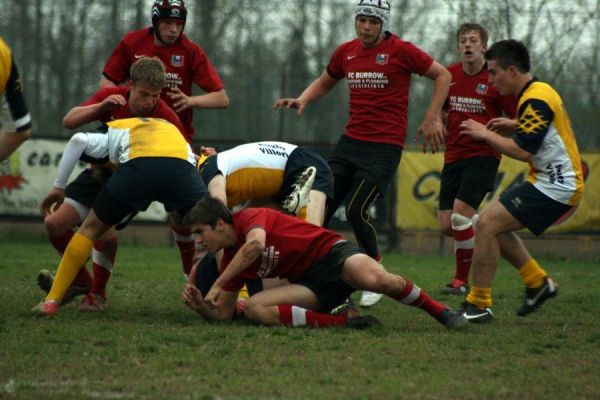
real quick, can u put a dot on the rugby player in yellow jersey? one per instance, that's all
(154, 163)
(541, 136)
(15, 121)
(287, 176)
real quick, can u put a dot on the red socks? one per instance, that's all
(298, 316)
(103, 257)
(412, 295)
(60, 243)
(464, 242)
(185, 242)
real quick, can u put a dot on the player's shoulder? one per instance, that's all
(4, 49)
(140, 35)
(250, 211)
(396, 41)
(454, 68)
(349, 45)
(540, 90)
(191, 46)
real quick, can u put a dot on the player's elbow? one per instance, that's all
(224, 102)
(69, 123)
(71, 120)
(223, 99)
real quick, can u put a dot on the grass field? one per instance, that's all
(148, 345)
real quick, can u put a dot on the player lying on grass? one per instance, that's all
(323, 270)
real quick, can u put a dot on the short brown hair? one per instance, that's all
(468, 27)
(207, 211)
(148, 71)
(510, 52)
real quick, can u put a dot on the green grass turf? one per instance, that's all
(148, 345)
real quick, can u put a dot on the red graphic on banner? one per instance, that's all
(11, 182)
(10, 173)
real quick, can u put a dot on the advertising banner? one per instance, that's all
(418, 186)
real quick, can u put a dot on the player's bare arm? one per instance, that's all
(503, 126)
(212, 100)
(245, 256)
(217, 187)
(319, 88)
(81, 115)
(432, 127)
(505, 145)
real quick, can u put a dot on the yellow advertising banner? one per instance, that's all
(418, 187)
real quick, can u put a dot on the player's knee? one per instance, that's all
(255, 311)
(55, 226)
(485, 223)
(355, 214)
(378, 281)
(459, 220)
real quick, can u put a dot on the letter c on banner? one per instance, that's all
(420, 192)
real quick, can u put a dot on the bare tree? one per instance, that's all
(272, 48)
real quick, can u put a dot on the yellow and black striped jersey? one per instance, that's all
(5, 65)
(545, 131)
(11, 89)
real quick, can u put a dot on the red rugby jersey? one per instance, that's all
(291, 245)
(379, 82)
(472, 97)
(184, 61)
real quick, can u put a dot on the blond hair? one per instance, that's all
(148, 71)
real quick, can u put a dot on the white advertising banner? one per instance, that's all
(29, 173)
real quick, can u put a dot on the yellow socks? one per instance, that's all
(243, 293)
(481, 297)
(76, 254)
(532, 274)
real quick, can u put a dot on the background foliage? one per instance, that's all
(266, 49)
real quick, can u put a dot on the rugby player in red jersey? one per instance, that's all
(377, 66)
(186, 63)
(470, 166)
(323, 270)
(184, 60)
